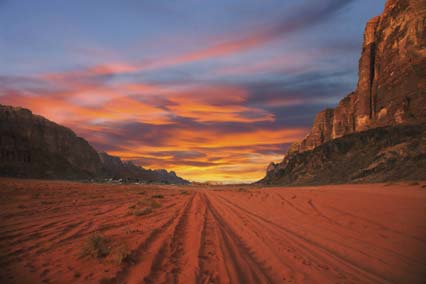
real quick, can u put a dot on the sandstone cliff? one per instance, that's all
(391, 89)
(34, 147)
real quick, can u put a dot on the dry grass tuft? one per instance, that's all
(123, 254)
(155, 204)
(142, 211)
(95, 246)
(160, 196)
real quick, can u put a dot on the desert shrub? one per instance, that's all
(142, 202)
(142, 211)
(144, 207)
(160, 196)
(184, 192)
(141, 192)
(122, 254)
(95, 246)
(155, 204)
(35, 195)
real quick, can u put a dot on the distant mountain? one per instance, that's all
(118, 169)
(33, 147)
(391, 91)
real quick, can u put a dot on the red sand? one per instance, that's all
(329, 234)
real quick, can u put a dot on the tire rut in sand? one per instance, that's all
(166, 262)
(308, 248)
(240, 263)
(141, 256)
(210, 257)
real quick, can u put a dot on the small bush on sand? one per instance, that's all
(155, 204)
(142, 211)
(160, 196)
(95, 246)
(122, 254)
(142, 203)
(141, 192)
(184, 192)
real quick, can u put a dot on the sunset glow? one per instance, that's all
(214, 95)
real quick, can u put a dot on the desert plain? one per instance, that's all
(69, 232)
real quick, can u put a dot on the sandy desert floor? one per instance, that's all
(64, 232)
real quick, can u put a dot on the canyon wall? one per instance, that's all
(391, 89)
(391, 92)
(33, 147)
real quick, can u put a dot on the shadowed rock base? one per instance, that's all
(377, 155)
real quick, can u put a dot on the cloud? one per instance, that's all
(298, 18)
(207, 126)
(303, 16)
(203, 132)
(216, 104)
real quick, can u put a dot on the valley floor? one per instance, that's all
(65, 232)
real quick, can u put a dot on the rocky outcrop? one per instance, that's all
(321, 132)
(34, 147)
(377, 155)
(391, 89)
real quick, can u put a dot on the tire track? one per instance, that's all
(242, 266)
(131, 273)
(165, 265)
(308, 247)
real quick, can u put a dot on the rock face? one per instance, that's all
(391, 89)
(34, 147)
(376, 155)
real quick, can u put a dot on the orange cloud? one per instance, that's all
(216, 104)
(96, 111)
(96, 70)
(227, 157)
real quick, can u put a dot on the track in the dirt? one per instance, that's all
(352, 234)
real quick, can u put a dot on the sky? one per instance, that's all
(213, 90)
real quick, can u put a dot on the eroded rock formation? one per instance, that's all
(34, 147)
(391, 89)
